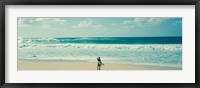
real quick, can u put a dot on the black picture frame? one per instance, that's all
(98, 2)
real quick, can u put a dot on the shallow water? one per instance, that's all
(164, 54)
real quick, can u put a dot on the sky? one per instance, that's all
(34, 27)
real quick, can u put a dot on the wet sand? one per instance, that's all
(37, 64)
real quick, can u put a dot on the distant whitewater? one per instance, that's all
(158, 51)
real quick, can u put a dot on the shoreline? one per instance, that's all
(60, 64)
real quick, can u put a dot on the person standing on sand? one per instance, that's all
(99, 63)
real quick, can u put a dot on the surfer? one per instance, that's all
(99, 63)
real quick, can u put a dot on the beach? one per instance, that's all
(129, 53)
(79, 44)
(49, 64)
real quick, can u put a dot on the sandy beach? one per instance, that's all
(38, 64)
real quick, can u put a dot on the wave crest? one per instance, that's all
(107, 46)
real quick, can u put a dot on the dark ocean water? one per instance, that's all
(107, 40)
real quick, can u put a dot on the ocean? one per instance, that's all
(156, 51)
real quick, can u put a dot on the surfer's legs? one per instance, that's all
(97, 67)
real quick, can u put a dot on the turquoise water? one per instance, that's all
(106, 40)
(162, 51)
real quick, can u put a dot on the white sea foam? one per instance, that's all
(157, 54)
(108, 46)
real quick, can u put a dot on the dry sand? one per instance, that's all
(36, 64)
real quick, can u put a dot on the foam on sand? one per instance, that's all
(146, 54)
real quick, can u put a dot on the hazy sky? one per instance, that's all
(98, 27)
